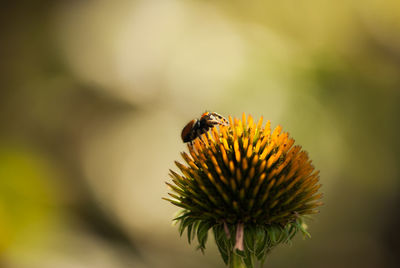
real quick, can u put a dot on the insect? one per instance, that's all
(196, 127)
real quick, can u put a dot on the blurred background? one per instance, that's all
(94, 94)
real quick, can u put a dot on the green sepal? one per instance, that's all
(185, 222)
(258, 239)
(249, 238)
(202, 234)
(241, 253)
(222, 242)
(261, 242)
(248, 261)
(189, 232)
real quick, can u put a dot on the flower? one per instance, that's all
(251, 186)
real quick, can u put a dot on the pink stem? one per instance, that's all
(239, 237)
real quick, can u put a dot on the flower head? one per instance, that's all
(251, 186)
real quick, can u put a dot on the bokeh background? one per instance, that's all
(94, 94)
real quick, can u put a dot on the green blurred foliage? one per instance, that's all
(28, 195)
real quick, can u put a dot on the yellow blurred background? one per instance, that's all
(94, 94)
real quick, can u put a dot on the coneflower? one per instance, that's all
(251, 186)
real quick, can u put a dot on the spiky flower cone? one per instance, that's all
(250, 186)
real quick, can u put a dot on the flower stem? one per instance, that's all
(236, 262)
